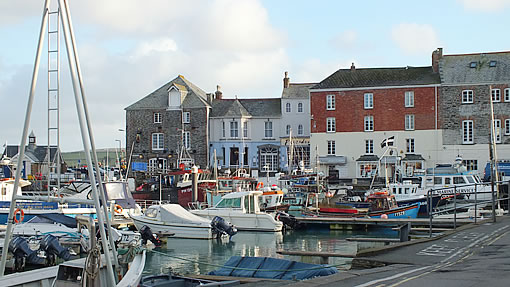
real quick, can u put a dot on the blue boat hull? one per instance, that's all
(410, 211)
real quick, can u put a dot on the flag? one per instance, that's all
(388, 142)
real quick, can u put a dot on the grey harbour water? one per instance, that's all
(193, 256)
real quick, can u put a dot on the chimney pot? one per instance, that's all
(286, 80)
(218, 93)
(353, 67)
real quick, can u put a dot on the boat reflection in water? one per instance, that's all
(192, 256)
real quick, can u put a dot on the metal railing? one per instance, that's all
(463, 190)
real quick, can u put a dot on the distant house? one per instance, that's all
(35, 161)
(169, 127)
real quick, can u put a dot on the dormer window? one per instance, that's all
(174, 98)
(492, 64)
(472, 65)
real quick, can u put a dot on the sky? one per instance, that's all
(129, 48)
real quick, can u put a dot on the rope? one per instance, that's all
(248, 269)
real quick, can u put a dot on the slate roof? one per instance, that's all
(37, 153)
(297, 91)
(456, 69)
(159, 98)
(246, 108)
(379, 77)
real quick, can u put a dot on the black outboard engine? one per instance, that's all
(288, 220)
(52, 247)
(20, 249)
(147, 234)
(221, 226)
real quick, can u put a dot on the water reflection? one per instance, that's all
(201, 256)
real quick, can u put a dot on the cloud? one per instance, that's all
(415, 38)
(347, 40)
(485, 5)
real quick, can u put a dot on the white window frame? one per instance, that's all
(497, 129)
(288, 108)
(158, 141)
(409, 123)
(467, 96)
(245, 129)
(409, 99)
(369, 146)
(369, 123)
(368, 101)
(157, 118)
(507, 126)
(496, 95)
(468, 132)
(268, 129)
(507, 95)
(300, 107)
(234, 129)
(268, 157)
(287, 130)
(330, 102)
(331, 147)
(186, 139)
(410, 145)
(330, 125)
(300, 129)
(186, 117)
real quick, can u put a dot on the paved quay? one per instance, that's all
(471, 255)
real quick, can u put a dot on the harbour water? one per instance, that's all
(189, 256)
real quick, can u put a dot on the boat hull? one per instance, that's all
(243, 221)
(175, 230)
(410, 211)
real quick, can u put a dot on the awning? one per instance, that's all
(331, 159)
(413, 157)
(368, 157)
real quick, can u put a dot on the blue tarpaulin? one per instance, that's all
(272, 268)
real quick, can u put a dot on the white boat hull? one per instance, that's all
(178, 230)
(243, 221)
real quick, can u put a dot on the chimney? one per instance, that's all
(353, 67)
(436, 57)
(218, 93)
(286, 80)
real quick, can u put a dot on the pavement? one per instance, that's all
(472, 255)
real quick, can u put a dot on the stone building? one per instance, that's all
(169, 127)
(468, 84)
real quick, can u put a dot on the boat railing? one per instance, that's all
(196, 205)
(144, 203)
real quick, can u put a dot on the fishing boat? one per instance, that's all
(243, 211)
(272, 200)
(384, 205)
(173, 220)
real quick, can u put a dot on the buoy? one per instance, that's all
(384, 216)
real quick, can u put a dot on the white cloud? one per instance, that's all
(485, 5)
(347, 40)
(415, 38)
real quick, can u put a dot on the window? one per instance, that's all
(287, 130)
(492, 64)
(300, 130)
(268, 129)
(331, 148)
(507, 95)
(409, 123)
(245, 129)
(300, 107)
(471, 164)
(330, 125)
(369, 123)
(287, 107)
(507, 127)
(467, 132)
(409, 99)
(472, 65)
(410, 145)
(369, 101)
(157, 164)
(158, 141)
(268, 159)
(497, 129)
(186, 140)
(330, 102)
(234, 129)
(496, 95)
(157, 118)
(223, 129)
(369, 146)
(367, 169)
(186, 117)
(467, 96)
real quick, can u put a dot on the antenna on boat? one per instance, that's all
(85, 128)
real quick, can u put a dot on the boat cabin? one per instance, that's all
(247, 201)
(381, 200)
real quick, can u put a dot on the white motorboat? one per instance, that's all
(173, 220)
(242, 210)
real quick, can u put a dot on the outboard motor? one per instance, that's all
(288, 220)
(221, 226)
(52, 247)
(147, 234)
(20, 249)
